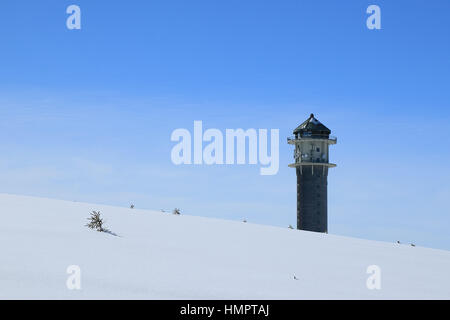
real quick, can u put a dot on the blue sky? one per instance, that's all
(87, 114)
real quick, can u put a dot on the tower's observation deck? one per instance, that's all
(311, 154)
(308, 151)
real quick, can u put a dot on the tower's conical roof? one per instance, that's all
(312, 126)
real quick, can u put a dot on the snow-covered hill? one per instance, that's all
(162, 256)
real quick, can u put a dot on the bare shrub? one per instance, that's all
(176, 211)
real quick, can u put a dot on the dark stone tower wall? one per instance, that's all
(312, 198)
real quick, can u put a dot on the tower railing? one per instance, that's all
(293, 138)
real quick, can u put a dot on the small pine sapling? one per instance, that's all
(96, 222)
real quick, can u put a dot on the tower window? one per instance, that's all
(318, 149)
